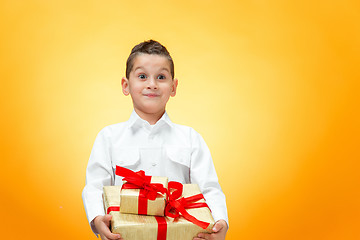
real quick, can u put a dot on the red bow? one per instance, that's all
(176, 205)
(138, 180)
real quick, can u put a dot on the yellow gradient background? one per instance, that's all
(272, 86)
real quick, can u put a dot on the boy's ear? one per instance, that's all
(125, 86)
(174, 86)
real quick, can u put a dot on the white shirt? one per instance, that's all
(164, 149)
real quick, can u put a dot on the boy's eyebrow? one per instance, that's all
(165, 69)
(138, 68)
(144, 69)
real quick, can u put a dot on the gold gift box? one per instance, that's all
(129, 199)
(142, 227)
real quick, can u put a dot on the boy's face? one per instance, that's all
(150, 84)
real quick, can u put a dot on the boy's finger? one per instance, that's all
(112, 236)
(103, 237)
(107, 220)
(217, 227)
(220, 225)
(204, 236)
(107, 217)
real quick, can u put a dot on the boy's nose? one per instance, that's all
(152, 84)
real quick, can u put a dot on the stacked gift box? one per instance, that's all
(151, 208)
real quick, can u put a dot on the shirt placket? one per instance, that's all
(151, 152)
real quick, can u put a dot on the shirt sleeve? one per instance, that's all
(99, 173)
(202, 172)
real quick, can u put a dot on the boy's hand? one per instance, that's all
(220, 228)
(102, 224)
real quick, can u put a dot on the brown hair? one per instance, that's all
(148, 47)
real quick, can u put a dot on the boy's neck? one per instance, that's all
(151, 118)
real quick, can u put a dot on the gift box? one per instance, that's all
(141, 194)
(142, 227)
(134, 200)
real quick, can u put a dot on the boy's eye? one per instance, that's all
(142, 76)
(161, 77)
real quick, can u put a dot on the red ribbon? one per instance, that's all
(176, 205)
(113, 208)
(162, 228)
(138, 180)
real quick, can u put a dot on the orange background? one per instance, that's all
(272, 86)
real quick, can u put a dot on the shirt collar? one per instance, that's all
(136, 121)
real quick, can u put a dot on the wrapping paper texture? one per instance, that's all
(141, 227)
(129, 199)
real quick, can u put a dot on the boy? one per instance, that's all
(149, 141)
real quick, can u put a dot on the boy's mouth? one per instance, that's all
(151, 95)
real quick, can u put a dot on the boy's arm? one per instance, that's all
(202, 172)
(99, 173)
